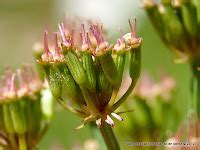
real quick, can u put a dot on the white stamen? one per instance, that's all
(98, 122)
(117, 116)
(109, 121)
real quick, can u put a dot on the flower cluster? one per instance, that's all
(148, 89)
(23, 117)
(178, 24)
(84, 70)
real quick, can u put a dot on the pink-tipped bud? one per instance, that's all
(133, 28)
(33, 80)
(96, 33)
(46, 56)
(23, 87)
(11, 93)
(84, 38)
(120, 45)
(57, 56)
(65, 41)
(131, 38)
(117, 116)
(109, 121)
(102, 44)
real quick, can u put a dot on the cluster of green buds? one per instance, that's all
(154, 108)
(85, 72)
(25, 109)
(178, 24)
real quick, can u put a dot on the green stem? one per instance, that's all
(90, 103)
(196, 86)
(113, 97)
(71, 109)
(109, 137)
(22, 142)
(124, 97)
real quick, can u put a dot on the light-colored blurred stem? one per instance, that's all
(124, 97)
(196, 85)
(22, 142)
(97, 135)
(109, 137)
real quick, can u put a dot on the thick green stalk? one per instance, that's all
(196, 85)
(109, 137)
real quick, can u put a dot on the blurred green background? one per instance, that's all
(22, 23)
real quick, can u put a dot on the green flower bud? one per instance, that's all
(119, 53)
(34, 110)
(89, 67)
(120, 63)
(8, 119)
(18, 117)
(109, 68)
(69, 87)
(135, 63)
(87, 59)
(75, 68)
(55, 80)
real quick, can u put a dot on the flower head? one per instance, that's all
(21, 94)
(84, 76)
(177, 23)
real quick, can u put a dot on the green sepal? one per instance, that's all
(89, 67)
(75, 68)
(109, 68)
(18, 116)
(104, 87)
(70, 89)
(8, 119)
(190, 18)
(55, 81)
(35, 117)
(135, 63)
(28, 111)
(120, 63)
